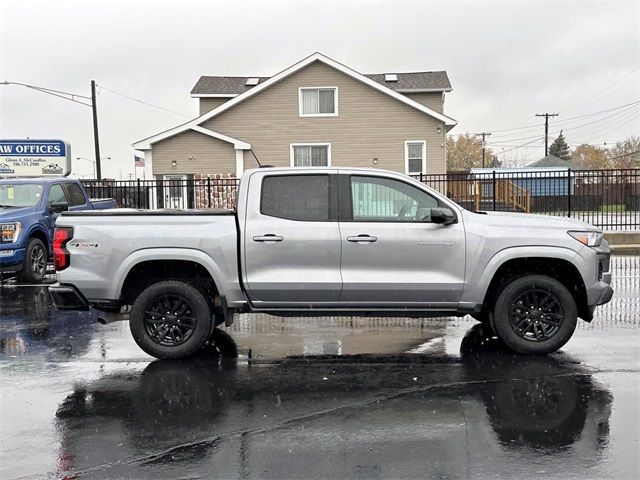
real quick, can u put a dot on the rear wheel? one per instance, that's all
(170, 319)
(535, 314)
(35, 262)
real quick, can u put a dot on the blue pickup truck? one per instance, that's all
(28, 211)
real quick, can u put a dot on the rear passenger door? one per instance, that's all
(76, 197)
(292, 240)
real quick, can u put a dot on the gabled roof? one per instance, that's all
(415, 82)
(552, 161)
(222, 86)
(145, 143)
(409, 82)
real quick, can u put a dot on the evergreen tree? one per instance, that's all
(559, 148)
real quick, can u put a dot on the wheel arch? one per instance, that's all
(553, 262)
(39, 233)
(146, 266)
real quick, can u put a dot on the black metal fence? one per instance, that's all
(609, 199)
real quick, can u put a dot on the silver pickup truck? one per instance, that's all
(330, 241)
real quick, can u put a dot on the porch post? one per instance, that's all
(239, 162)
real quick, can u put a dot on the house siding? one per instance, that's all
(432, 100)
(210, 155)
(370, 124)
(208, 104)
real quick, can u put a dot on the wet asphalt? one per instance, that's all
(318, 398)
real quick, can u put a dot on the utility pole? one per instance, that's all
(546, 129)
(483, 135)
(96, 140)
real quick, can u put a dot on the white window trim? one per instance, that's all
(307, 144)
(424, 157)
(335, 102)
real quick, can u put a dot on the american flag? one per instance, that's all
(138, 161)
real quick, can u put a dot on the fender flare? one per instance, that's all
(37, 228)
(484, 276)
(169, 254)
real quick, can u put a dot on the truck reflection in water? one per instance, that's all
(30, 326)
(479, 413)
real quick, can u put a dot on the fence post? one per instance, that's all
(494, 190)
(569, 192)
(138, 193)
(208, 192)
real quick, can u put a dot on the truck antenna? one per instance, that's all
(254, 156)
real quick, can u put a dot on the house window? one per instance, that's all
(319, 102)
(415, 153)
(311, 155)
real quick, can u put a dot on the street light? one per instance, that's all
(74, 98)
(94, 163)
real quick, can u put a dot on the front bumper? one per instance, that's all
(67, 297)
(11, 260)
(600, 292)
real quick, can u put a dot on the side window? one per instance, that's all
(76, 197)
(296, 197)
(56, 195)
(376, 199)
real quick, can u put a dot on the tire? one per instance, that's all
(177, 335)
(34, 267)
(535, 314)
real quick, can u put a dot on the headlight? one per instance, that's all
(590, 239)
(10, 232)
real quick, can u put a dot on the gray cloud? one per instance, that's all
(506, 60)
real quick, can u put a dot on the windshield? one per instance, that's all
(20, 194)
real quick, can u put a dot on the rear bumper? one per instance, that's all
(67, 297)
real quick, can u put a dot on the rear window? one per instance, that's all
(76, 197)
(296, 197)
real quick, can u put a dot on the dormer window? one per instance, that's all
(318, 102)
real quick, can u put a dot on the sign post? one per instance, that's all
(34, 158)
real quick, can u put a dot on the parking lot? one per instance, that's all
(325, 397)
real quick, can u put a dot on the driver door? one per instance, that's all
(392, 255)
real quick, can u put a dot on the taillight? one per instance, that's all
(61, 236)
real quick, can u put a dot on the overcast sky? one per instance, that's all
(506, 61)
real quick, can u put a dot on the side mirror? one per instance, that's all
(443, 216)
(58, 207)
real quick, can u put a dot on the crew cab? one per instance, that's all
(28, 210)
(330, 241)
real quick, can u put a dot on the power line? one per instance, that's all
(143, 102)
(573, 127)
(625, 155)
(570, 119)
(50, 91)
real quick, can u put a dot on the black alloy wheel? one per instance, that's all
(170, 320)
(536, 315)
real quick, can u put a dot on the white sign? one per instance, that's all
(34, 158)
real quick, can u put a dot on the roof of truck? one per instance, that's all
(43, 180)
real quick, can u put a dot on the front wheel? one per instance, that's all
(535, 314)
(35, 262)
(170, 320)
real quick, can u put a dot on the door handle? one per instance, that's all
(269, 237)
(363, 237)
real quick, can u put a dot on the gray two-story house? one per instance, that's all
(317, 112)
